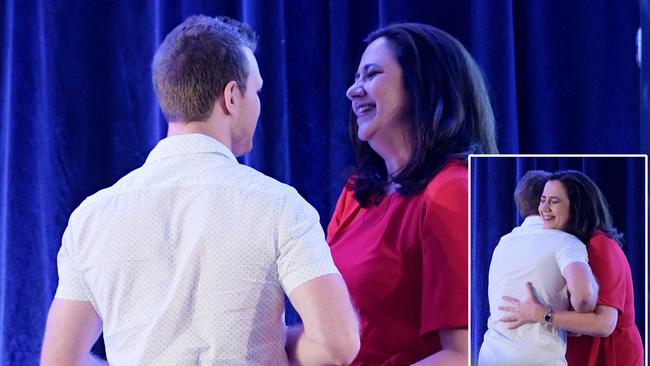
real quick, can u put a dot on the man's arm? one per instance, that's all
(72, 329)
(600, 323)
(582, 286)
(453, 352)
(330, 333)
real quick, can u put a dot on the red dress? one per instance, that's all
(405, 264)
(623, 346)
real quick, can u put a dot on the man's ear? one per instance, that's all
(231, 96)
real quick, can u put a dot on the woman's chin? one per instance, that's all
(363, 134)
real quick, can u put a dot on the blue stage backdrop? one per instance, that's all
(78, 110)
(494, 214)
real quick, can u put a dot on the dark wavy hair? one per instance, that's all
(587, 205)
(449, 111)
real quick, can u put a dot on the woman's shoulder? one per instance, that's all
(601, 244)
(346, 201)
(345, 211)
(452, 180)
(346, 197)
(600, 239)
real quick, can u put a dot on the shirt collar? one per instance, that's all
(188, 144)
(533, 220)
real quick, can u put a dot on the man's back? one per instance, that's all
(188, 258)
(529, 254)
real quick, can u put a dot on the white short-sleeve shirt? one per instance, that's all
(188, 258)
(533, 254)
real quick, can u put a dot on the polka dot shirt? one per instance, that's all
(187, 259)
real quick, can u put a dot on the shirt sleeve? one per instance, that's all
(303, 253)
(71, 285)
(608, 264)
(570, 250)
(444, 258)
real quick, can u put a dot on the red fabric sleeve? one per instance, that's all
(444, 252)
(609, 269)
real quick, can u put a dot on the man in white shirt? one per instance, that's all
(555, 263)
(186, 260)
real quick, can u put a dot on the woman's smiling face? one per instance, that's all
(554, 206)
(378, 96)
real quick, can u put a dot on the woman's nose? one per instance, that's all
(544, 206)
(355, 90)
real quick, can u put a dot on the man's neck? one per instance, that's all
(202, 127)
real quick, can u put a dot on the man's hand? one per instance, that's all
(523, 312)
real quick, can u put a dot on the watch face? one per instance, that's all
(549, 315)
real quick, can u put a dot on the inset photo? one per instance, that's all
(558, 259)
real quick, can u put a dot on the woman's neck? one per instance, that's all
(396, 150)
(395, 162)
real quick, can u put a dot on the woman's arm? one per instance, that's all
(600, 323)
(453, 352)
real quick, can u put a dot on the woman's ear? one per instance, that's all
(231, 97)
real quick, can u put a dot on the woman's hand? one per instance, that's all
(523, 312)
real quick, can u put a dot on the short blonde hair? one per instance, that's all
(195, 62)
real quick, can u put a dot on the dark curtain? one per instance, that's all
(78, 110)
(494, 214)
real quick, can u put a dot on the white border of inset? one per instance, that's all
(469, 230)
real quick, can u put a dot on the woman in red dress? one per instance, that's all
(609, 335)
(399, 231)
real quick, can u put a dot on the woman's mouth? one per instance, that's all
(364, 109)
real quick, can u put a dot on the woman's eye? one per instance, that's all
(372, 74)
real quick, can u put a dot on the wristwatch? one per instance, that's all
(549, 315)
